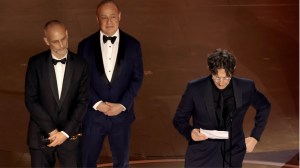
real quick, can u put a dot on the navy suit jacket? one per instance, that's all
(47, 111)
(126, 80)
(197, 103)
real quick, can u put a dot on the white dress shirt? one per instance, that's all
(59, 73)
(109, 54)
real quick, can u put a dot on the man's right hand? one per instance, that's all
(103, 107)
(197, 135)
(57, 139)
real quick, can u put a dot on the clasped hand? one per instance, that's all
(110, 109)
(56, 138)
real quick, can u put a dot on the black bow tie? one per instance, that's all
(55, 61)
(112, 39)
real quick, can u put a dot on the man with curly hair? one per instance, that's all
(217, 105)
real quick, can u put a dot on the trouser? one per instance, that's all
(118, 137)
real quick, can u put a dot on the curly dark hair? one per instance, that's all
(221, 59)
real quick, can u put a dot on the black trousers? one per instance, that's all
(68, 154)
(119, 140)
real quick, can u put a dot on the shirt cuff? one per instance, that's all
(65, 134)
(124, 108)
(96, 105)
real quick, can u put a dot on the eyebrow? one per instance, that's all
(59, 39)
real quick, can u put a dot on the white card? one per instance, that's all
(215, 134)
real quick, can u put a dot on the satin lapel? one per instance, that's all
(52, 78)
(67, 78)
(209, 101)
(237, 93)
(98, 57)
(120, 57)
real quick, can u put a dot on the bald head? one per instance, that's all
(53, 25)
(56, 37)
(104, 2)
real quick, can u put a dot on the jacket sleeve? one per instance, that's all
(184, 113)
(136, 80)
(262, 107)
(32, 99)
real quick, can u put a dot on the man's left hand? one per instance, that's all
(115, 109)
(57, 139)
(250, 144)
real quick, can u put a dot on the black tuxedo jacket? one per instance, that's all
(47, 111)
(197, 103)
(126, 80)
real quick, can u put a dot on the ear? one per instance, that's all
(97, 19)
(119, 16)
(67, 33)
(46, 41)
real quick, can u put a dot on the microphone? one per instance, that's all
(230, 137)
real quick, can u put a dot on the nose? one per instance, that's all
(222, 82)
(61, 44)
(109, 20)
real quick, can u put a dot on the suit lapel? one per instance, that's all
(67, 77)
(52, 77)
(209, 101)
(98, 57)
(120, 57)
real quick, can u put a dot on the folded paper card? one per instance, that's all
(214, 134)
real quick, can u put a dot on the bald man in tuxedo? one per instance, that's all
(56, 96)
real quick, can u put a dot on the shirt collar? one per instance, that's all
(60, 58)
